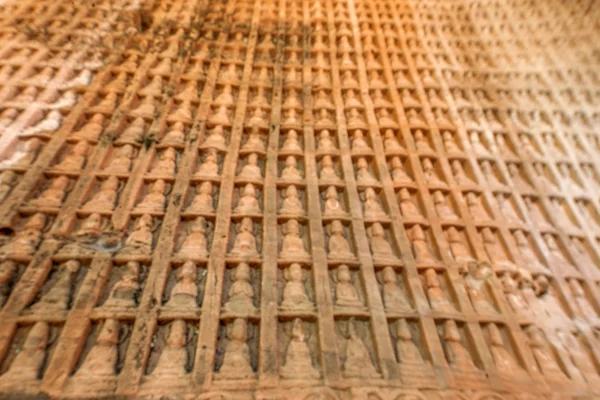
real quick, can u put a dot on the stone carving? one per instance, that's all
(241, 294)
(25, 240)
(154, 200)
(345, 292)
(27, 365)
(245, 242)
(101, 360)
(124, 292)
(184, 293)
(358, 362)
(202, 202)
(60, 294)
(435, 294)
(195, 245)
(236, 360)
(294, 292)
(298, 362)
(544, 356)
(173, 359)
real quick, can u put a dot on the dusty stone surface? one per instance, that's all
(294, 199)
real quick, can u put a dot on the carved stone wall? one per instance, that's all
(300, 199)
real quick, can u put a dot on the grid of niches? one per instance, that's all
(59, 291)
(573, 284)
(355, 193)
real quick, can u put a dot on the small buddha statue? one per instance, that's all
(358, 362)
(407, 351)
(294, 292)
(507, 210)
(372, 208)
(248, 203)
(442, 207)
(458, 356)
(520, 183)
(240, 298)
(203, 200)
(291, 204)
(528, 258)
(101, 360)
(430, 174)
(435, 294)
(363, 175)
(166, 164)
(579, 356)
(557, 258)
(450, 145)
(322, 101)
(258, 119)
(495, 250)
(393, 298)
(380, 248)
(293, 245)
(174, 358)
(504, 361)
(175, 135)
(185, 292)
(105, 198)
(121, 163)
(582, 306)
(124, 292)
(26, 240)
(476, 209)
(421, 142)
(58, 297)
(291, 101)
(54, 194)
(298, 362)
(216, 138)
(220, 116)
(422, 253)
(475, 281)
(338, 245)
(359, 143)
(154, 200)
(195, 244)
(8, 179)
(30, 357)
(291, 118)
(140, 240)
(209, 167)
(407, 206)
(254, 142)
(459, 250)
(236, 360)
(225, 97)
(75, 160)
(332, 207)
(245, 242)
(327, 172)
(291, 143)
(515, 298)
(251, 170)
(345, 292)
(544, 355)
(134, 132)
(290, 171)
(391, 143)
(399, 175)
(323, 119)
(459, 174)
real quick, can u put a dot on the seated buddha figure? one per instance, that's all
(290, 172)
(29, 360)
(292, 245)
(26, 240)
(101, 360)
(184, 293)
(327, 172)
(358, 362)
(345, 292)
(245, 241)
(338, 245)
(435, 294)
(203, 200)
(247, 203)
(75, 159)
(106, 197)
(166, 164)
(154, 200)
(173, 358)
(240, 297)
(209, 167)
(372, 208)
(140, 239)
(380, 248)
(251, 170)
(236, 360)
(294, 292)
(333, 207)
(298, 362)
(124, 292)
(54, 194)
(393, 298)
(291, 204)
(121, 163)
(195, 244)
